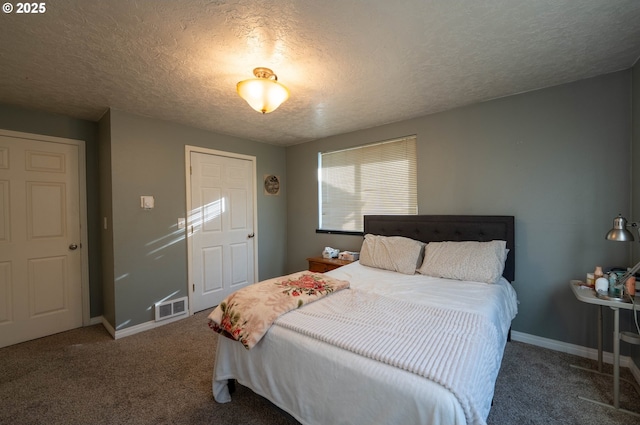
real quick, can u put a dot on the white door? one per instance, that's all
(221, 226)
(40, 238)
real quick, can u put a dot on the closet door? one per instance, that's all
(221, 227)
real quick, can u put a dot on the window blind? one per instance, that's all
(379, 178)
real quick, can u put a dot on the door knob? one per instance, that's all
(250, 235)
(73, 247)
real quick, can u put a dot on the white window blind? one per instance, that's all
(379, 178)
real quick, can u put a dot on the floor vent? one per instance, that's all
(171, 308)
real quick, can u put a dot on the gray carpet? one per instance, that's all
(163, 376)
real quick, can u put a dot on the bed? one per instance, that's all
(320, 377)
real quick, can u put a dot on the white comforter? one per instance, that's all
(322, 384)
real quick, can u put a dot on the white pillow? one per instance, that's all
(394, 253)
(472, 261)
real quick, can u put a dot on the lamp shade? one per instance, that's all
(263, 93)
(619, 231)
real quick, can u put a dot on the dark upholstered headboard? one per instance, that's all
(440, 228)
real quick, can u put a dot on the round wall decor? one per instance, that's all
(271, 184)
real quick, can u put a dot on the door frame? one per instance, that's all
(187, 158)
(82, 199)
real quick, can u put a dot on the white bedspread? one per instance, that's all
(456, 349)
(320, 384)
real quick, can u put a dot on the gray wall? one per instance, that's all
(19, 119)
(149, 260)
(543, 156)
(106, 251)
(635, 196)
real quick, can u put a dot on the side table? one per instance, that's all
(322, 265)
(588, 295)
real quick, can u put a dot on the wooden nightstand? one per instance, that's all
(320, 264)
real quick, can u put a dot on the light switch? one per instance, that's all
(147, 202)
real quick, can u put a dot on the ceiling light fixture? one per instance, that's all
(263, 93)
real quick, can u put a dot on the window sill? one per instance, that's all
(340, 232)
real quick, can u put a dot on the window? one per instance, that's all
(379, 178)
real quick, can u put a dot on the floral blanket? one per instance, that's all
(247, 314)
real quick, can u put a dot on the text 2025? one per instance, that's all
(31, 7)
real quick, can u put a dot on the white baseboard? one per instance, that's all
(117, 334)
(95, 320)
(577, 350)
(109, 328)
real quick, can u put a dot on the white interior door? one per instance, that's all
(221, 226)
(40, 239)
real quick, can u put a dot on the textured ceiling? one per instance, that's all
(348, 64)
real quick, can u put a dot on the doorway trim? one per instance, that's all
(82, 199)
(188, 149)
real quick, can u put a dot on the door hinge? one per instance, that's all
(194, 287)
(190, 170)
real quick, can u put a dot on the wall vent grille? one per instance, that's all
(171, 308)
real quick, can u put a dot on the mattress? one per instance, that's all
(319, 383)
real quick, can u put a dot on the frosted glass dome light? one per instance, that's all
(263, 93)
